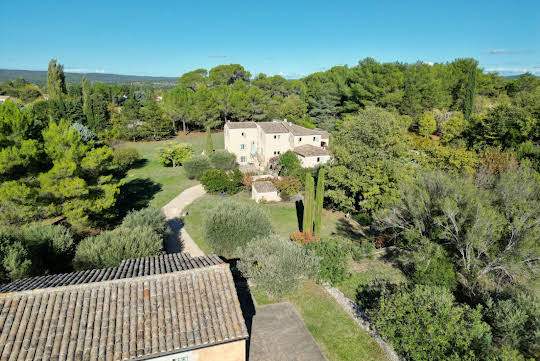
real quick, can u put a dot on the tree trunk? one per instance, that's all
(184, 126)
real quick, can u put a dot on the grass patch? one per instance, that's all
(152, 183)
(282, 215)
(338, 336)
(367, 271)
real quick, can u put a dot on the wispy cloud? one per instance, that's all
(506, 51)
(84, 70)
(217, 56)
(518, 70)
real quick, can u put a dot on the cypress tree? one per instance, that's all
(307, 224)
(470, 92)
(56, 80)
(209, 145)
(319, 202)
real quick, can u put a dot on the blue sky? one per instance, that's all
(292, 38)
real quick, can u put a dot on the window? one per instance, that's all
(243, 134)
(276, 136)
(299, 139)
(277, 152)
(318, 159)
(242, 146)
(315, 139)
(243, 159)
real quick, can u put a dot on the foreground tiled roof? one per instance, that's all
(273, 127)
(240, 125)
(308, 150)
(128, 268)
(264, 186)
(122, 319)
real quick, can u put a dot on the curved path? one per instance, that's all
(180, 240)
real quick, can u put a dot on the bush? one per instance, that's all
(302, 238)
(85, 133)
(432, 266)
(223, 160)
(108, 249)
(425, 323)
(196, 165)
(287, 186)
(149, 217)
(233, 224)
(219, 181)
(361, 250)
(516, 322)
(289, 162)
(35, 249)
(333, 259)
(124, 159)
(175, 154)
(276, 265)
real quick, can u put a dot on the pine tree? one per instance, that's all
(209, 145)
(470, 92)
(319, 202)
(307, 224)
(84, 86)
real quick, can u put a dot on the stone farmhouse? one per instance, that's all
(169, 308)
(256, 143)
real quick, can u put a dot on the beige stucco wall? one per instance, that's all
(269, 145)
(234, 139)
(310, 162)
(268, 196)
(309, 139)
(232, 351)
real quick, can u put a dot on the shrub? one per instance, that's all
(288, 186)
(233, 224)
(124, 159)
(85, 133)
(149, 217)
(333, 259)
(108, 249)
(276, 265)
(425, 323)
(223, 160)
(247, 179)
(196, 165)
(289, 162)
(175, 154)
(516, 322)
(432, 266)
(219, 181)
(361, 250)
(302, 238)
(35, 249)
(427, 124)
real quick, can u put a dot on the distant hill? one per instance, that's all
(40, 77)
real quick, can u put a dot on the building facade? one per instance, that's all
(256, 143)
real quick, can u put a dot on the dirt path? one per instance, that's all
(180, 240)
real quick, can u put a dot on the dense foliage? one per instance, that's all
(276, 265)
(233, 224)
(175, 154)
(220, 181)
(141, 234)
(425, 324)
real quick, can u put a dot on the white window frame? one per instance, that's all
(242, 147)
(243, 159)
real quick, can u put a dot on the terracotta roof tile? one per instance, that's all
(240, 125)
(308, 150)
(122, 318)
(128, 268)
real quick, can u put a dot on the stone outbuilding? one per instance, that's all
(311, 156)
(264, 190)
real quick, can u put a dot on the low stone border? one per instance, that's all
(361, 318)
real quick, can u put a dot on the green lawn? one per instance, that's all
(338, 336)
(282, 214)
(152, 183)
(367, 271)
